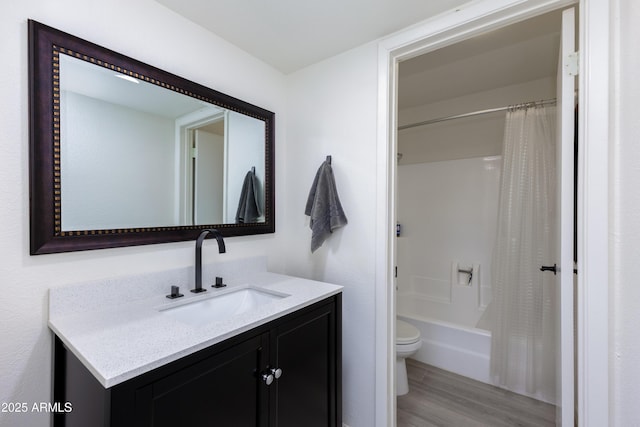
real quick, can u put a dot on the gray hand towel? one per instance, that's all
(323, 206)
(249, 206)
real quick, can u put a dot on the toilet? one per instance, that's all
(407, 343)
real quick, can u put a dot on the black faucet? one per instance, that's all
(221, 249)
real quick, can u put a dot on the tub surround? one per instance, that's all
(116, 329)
(448, 210)
(454, 348)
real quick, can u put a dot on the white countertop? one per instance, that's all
(119, 336)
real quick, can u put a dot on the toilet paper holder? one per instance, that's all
(467, 271)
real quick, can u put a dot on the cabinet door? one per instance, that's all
(74, 384)
(222, 390)
(306, 351)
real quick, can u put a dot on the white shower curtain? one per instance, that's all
(523, 326)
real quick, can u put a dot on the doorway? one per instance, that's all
(453, 107)
(447, 29)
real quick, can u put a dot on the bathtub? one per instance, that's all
(456, 347)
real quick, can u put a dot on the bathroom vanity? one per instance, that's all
(141, 364)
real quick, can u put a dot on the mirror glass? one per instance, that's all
(134, 154)
(123, 153)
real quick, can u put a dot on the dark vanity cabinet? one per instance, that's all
(307, 349)
(286, 373)
(222, 387)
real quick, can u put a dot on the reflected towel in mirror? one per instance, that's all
(249, 205)
(324, 207)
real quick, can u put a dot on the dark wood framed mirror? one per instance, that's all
(123, 153)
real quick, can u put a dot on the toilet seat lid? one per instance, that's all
(406, 333)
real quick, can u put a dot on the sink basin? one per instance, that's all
(222, 306)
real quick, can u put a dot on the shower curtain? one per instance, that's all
(523, 326)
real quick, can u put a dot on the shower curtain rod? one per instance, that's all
(474, 113)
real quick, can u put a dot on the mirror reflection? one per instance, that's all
(134, 154)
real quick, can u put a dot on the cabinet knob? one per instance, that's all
(277, 372)
(267, 378)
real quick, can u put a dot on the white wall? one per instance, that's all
(625, 216)
(448, 213)
(151, 33)
(332, 111)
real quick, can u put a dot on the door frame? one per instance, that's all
(476, 17)
(184, 187)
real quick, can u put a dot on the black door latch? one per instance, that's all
(553, 268)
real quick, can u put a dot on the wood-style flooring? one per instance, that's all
(441, 398)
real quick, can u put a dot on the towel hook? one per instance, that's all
(253, 169)
(329, 159)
